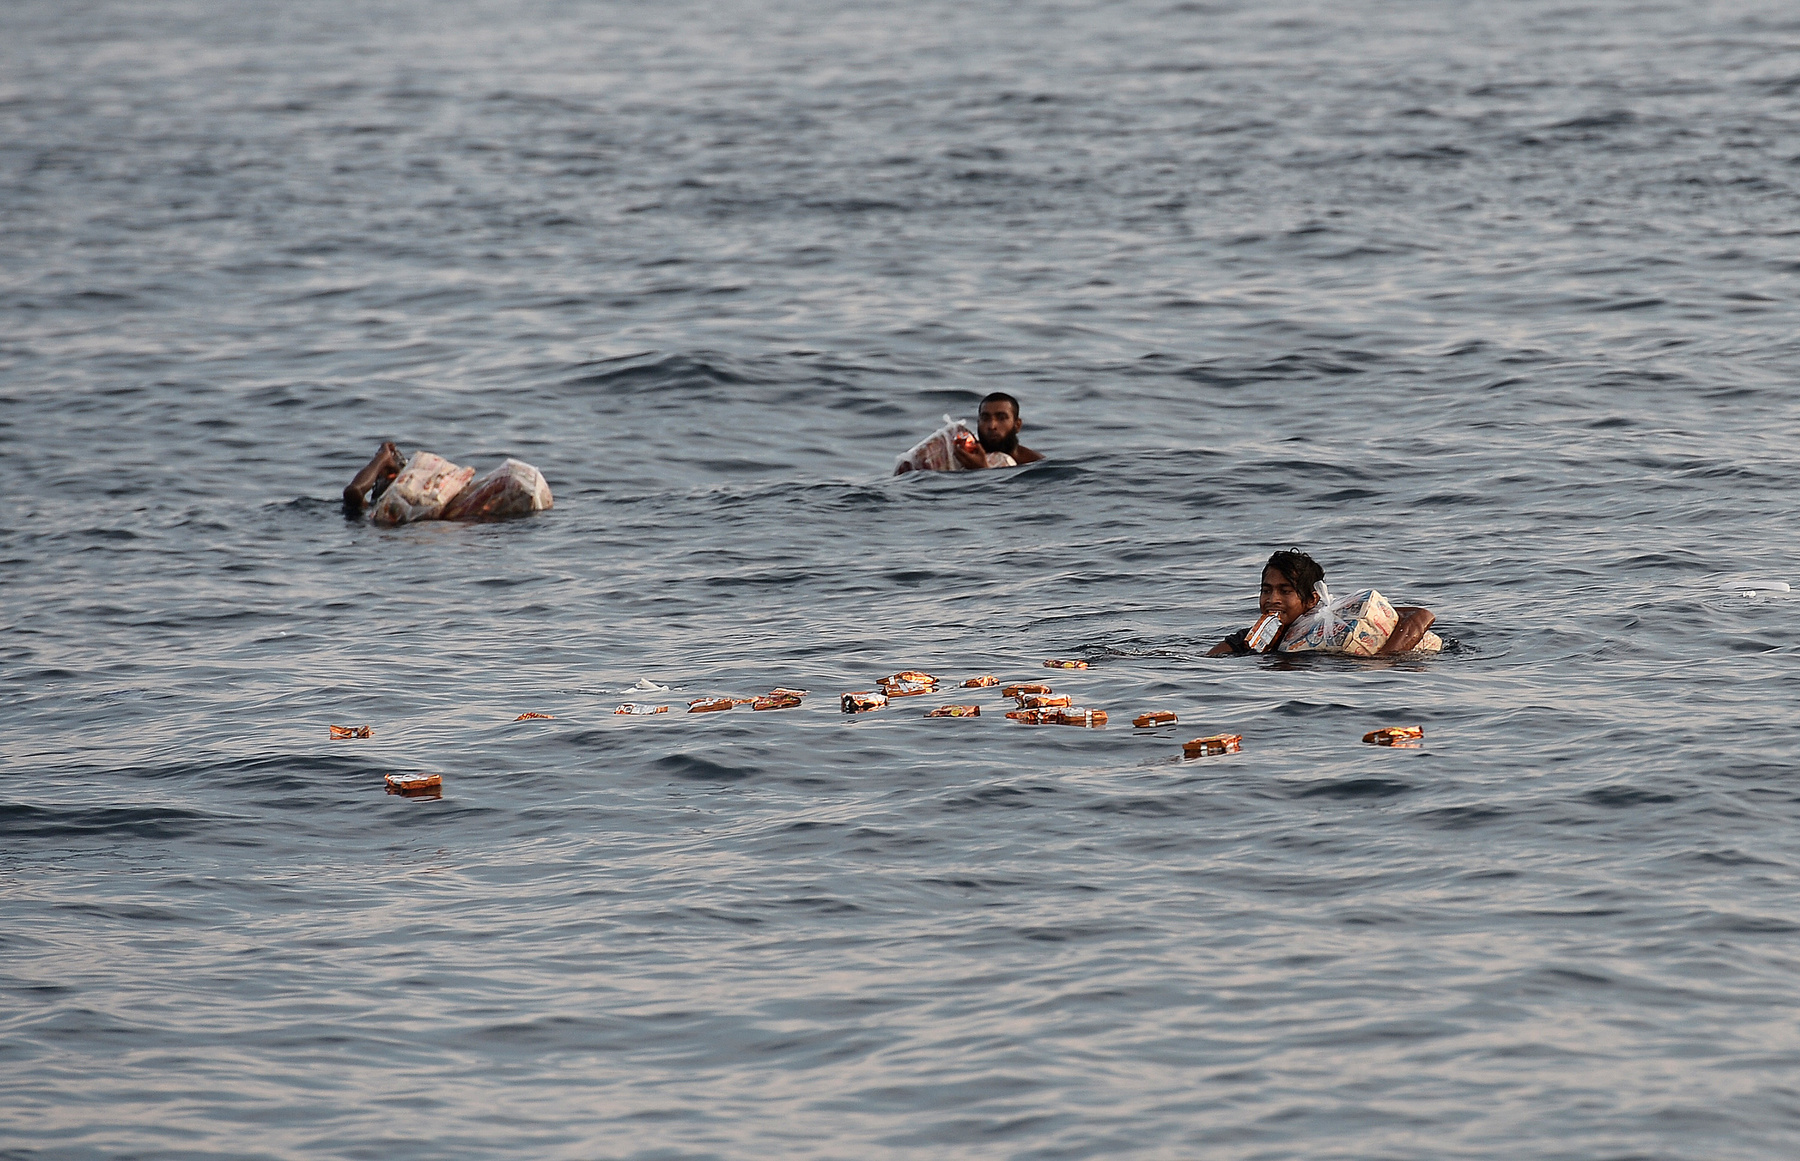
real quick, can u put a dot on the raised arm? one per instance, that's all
(381, 470)
(1405, 637)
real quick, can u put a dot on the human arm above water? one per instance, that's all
(1406, 635)
(378, 473)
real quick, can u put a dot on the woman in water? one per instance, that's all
(1289, 588)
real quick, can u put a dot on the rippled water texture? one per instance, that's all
(1491, 306)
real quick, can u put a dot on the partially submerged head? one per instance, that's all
(999, 424)
(1288, 583)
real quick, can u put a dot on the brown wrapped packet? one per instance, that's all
(1215, 744)
(1027, 687)
(778, 699)
(955, 711)
(1395, 736)
(1075, 716)
(856, 703)
(534, 717)
(1044, 700)
(907, 677)
(339, 733)
(1055, 664)
(1154, 718)
(981, 682)
(711, 705)
(416, 785)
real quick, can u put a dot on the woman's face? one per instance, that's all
(1279, 596)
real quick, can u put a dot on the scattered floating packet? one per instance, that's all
(1022, 690)
(777, 699)
(1056, 664)
(908, 689)
(416, 785)
(856, 703)
(1407, 736)
(712, 705)
(907, 677)
(641, 709)
(534, 716)
(981, 682)
(1060, 716)
(1154, 718)
(338, 733)
(1215, 744)
(1044, 700)
(955, 711)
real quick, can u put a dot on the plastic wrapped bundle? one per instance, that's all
(515, 488)
(1358, 624)
(421, 491)
(937, 451)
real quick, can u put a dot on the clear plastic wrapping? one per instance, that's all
(421, 490)
(515, 488)
(1357, 624)
(937, 451)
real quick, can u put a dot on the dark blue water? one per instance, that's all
(1491, 307)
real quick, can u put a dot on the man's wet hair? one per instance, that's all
(1002, 397)
(1301, 570)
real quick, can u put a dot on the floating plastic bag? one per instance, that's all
(515, 488)
(1358, 624)
(937, 451)
(421, 490)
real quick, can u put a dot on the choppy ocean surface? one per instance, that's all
(1492, 307)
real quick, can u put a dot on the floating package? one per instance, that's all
(955, 711)
(641, 709)
(1154, 718)
(515, 488)
(1395, 736)
(778, 699)
(421, 490)
(1056, 664)
(1216, 744)
(937, 451)
(711, 705)
(1044, 700)
(1429, 643)
(534, 717)
(416, 785)
(338, 733)
(981, 682)
(1021, 690)
(1358, 624)
(1059, 716)
(855, 703)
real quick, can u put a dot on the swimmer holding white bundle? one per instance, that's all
(995, 444)
(1292, 573)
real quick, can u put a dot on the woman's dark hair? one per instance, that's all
(1301, 570)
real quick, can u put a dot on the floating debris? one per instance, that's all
(339, 733)
(712, 705)
(856, 703)
(955, 711)
(1215, 744)
(534, 717)
(416, 785)
(1405, 736)
(1154, 718)
(1021, 690)
(1044, 700)
(641, 709)
(777, 699)
(981, 682)
(1055, 664)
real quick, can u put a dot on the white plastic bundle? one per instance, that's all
(515, 488)
(421, 490)
(1358, 624)
(937, 451)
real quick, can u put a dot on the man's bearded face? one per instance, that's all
(998, 428)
